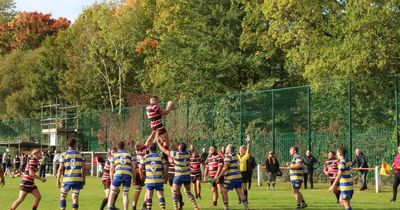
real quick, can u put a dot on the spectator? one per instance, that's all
(362, 164)
(396, 168)
(56, 162)
(203, 158)
(251, 165)
(4, 161)
(309, 161)
(43, 162)
(17, 164)
(50, 156)
(272, 167)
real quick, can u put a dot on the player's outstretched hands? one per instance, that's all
(248, 139)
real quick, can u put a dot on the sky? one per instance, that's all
(58, 8)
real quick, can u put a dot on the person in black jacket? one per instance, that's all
(251, 165)
(309, 161)
(272, 168)
(361, 162)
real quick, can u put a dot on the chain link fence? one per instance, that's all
(356, 114)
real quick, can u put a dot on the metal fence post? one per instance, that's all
(213, 121)
(187, 115)
(350, 120)
(273, 119)
(309, 116)
(397, 109)
(241, 116)
(30, 130)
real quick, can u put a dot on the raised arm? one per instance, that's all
(148, 141)
(164, 150)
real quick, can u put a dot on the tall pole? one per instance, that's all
(309, 116)
(273, 119)
(213, 121)
(350, 119)
(241, 117)
(397, 109)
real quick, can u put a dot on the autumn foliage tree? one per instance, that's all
(28, 30)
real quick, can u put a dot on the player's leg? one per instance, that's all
(149, 199)
(21, 197)
(186, 185)
(63, 196)
(163, 134)
(105, 199)
(37, 198)
(176, 187)
(114, 189)
(75, 198)
(198, 183)
(193, 180)
(138, 190)
(125, 192)
(161, 198)
(224, 193)
(242, 197)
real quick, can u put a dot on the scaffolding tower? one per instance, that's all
(59, 122)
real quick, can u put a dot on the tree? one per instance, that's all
(28, 29)
(7, 10)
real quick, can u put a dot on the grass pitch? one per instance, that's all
(259, 198)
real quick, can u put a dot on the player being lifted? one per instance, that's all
(155, 113)
(344, 179)
(182, 175)
(122, 172)
(232, 177)
(155, 170)
(72, 167)
(28, 181)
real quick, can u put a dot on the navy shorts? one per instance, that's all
(179, 180)
(69, 187)
(122, 180)
(346, 195)
(155, 186)
(296, 184)
(232, 184)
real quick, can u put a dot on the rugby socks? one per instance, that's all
(149, 203)
(245, 193)
(104, 203)
(176, 200)
(245, 203)
(349, 208)
(191, 198)
(63, 204)
(162, 203)
(226, 206)
(181, 200)
(75, 206)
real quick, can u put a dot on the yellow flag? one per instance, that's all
(385, 169)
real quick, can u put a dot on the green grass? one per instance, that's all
(281, 198)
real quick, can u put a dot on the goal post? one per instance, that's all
(93, 162)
